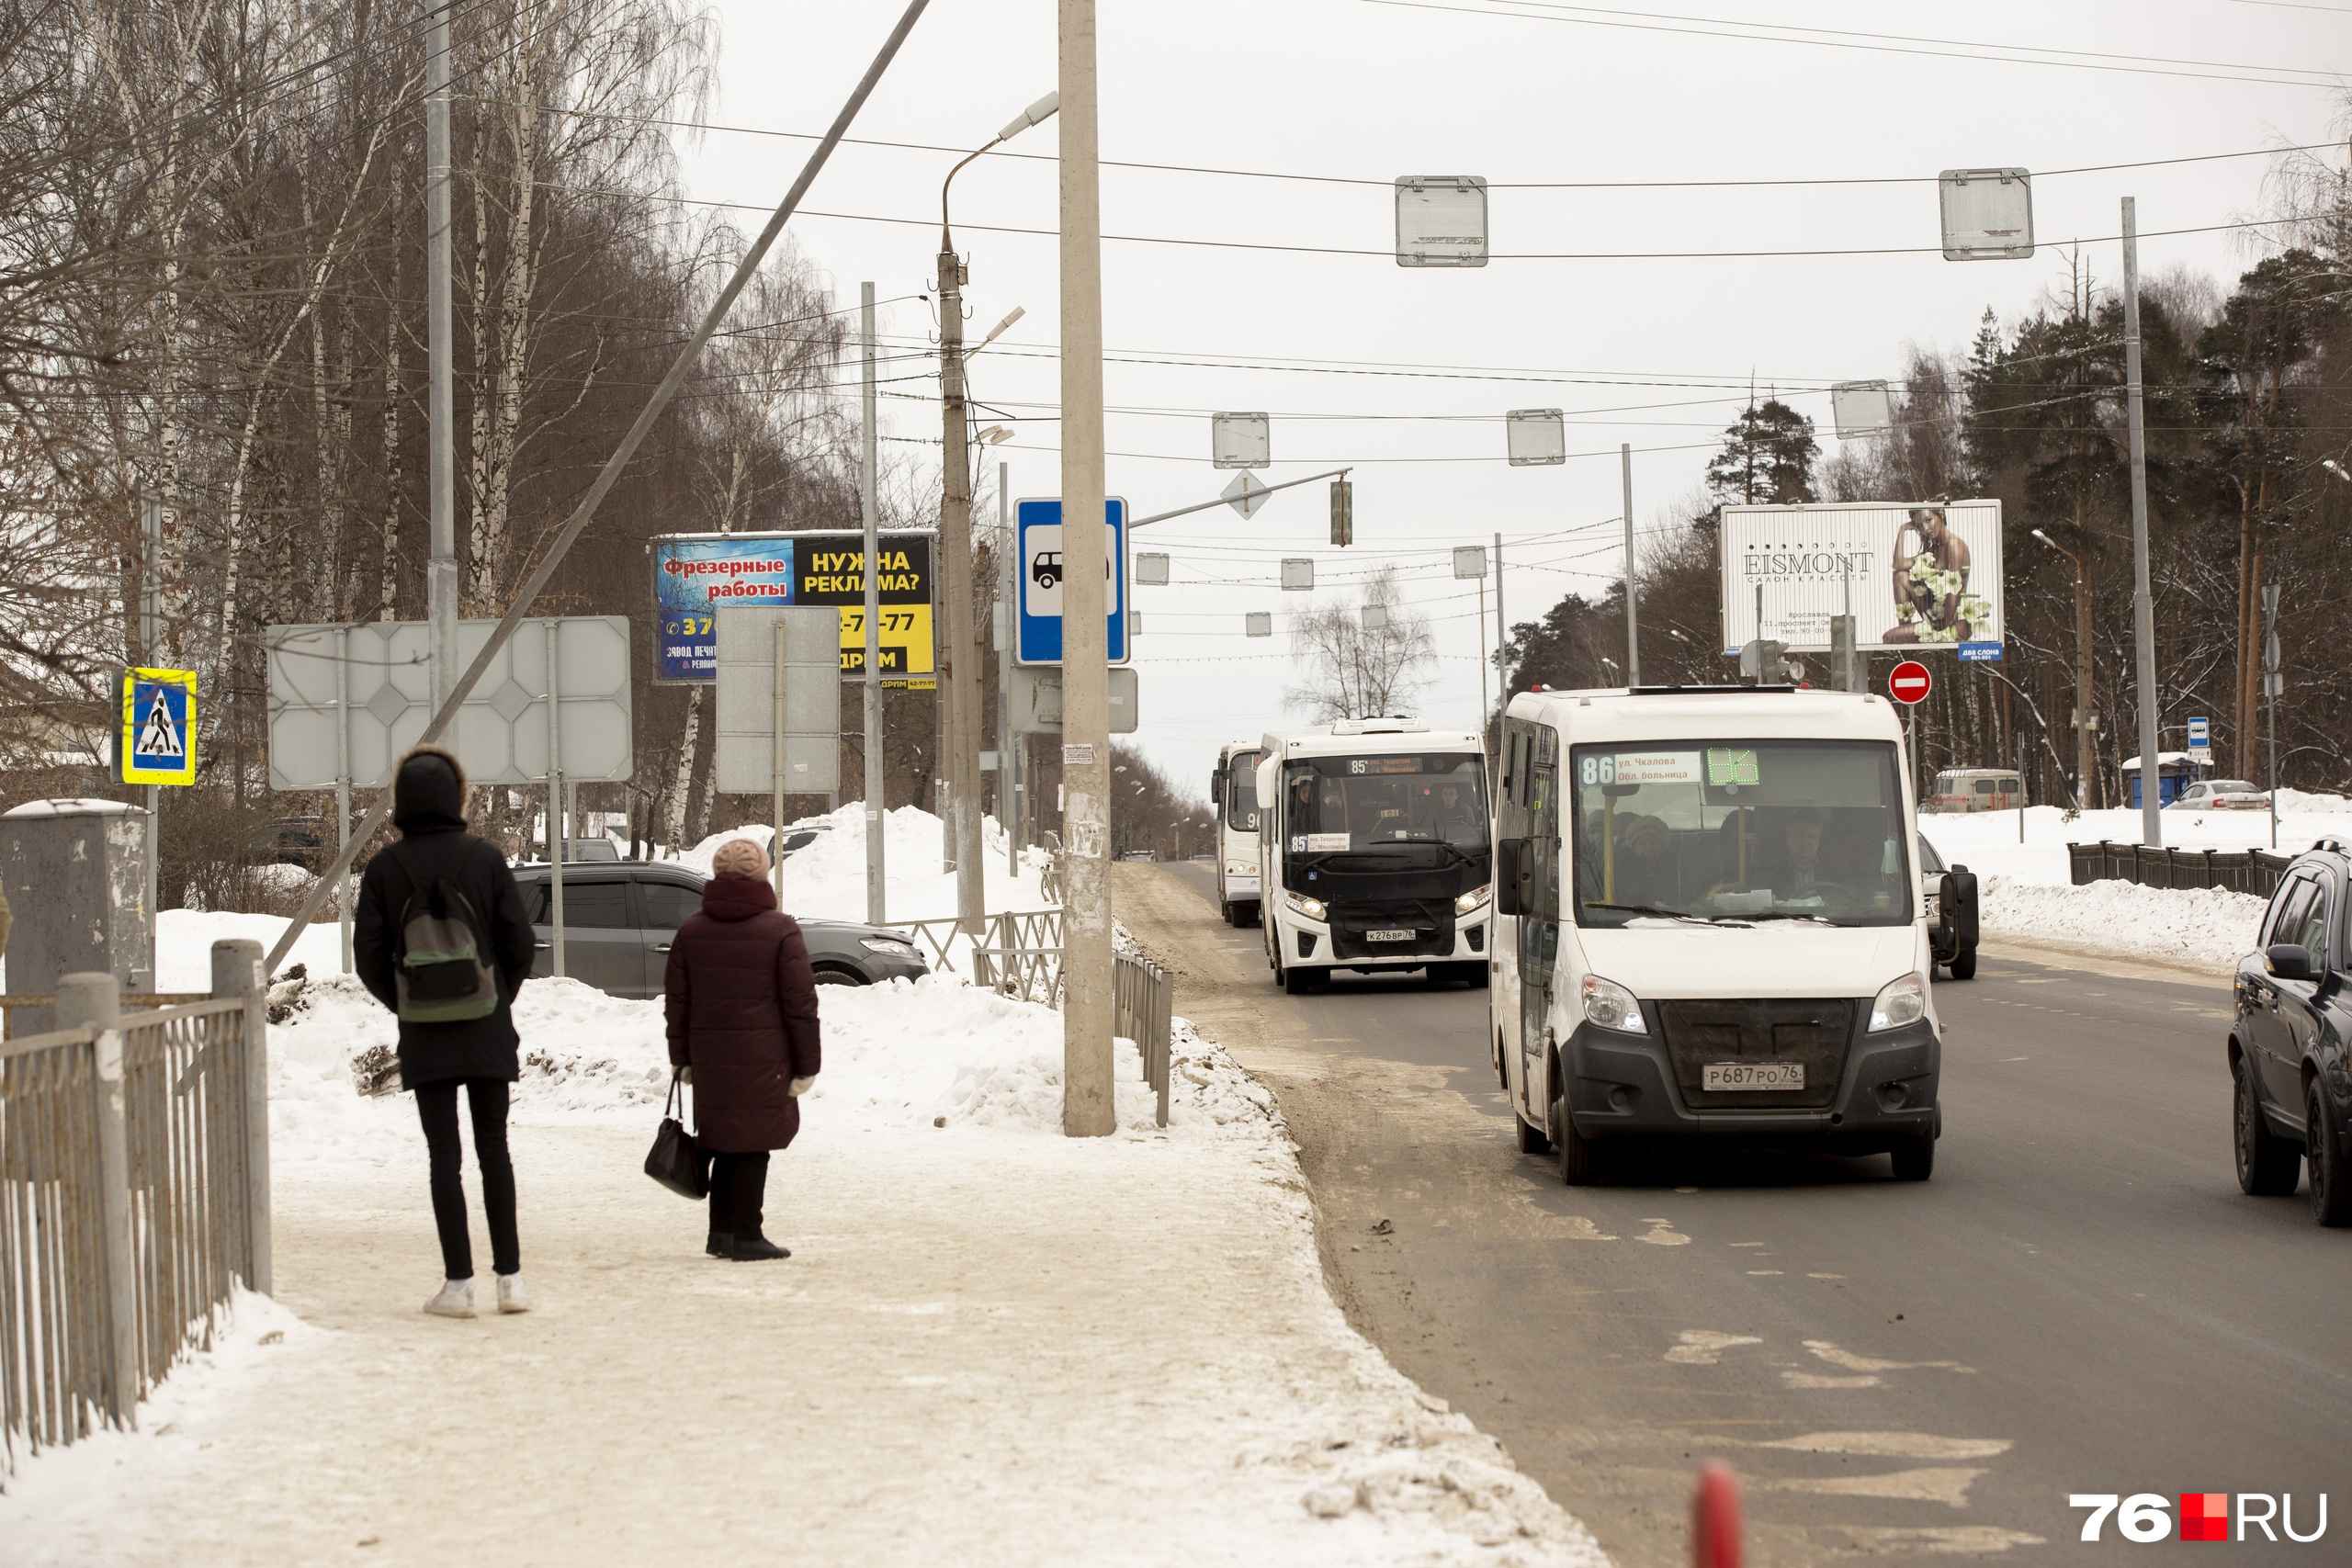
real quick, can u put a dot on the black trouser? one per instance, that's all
(437, 1107)
(738, 1185)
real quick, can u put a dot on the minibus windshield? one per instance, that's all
(1360, 805)
(1739, 830)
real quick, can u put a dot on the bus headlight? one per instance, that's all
(1301, 904)
(1903, 1001)
(1612, 1006)
(1473, 900)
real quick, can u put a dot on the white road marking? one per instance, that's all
(1824, 1350)
(1938, 1540)
(1949, 1487)
(1824, 1276)
(1814, 1380)
(1765, 1271)
(1705, 1346)
(1662, 1237)
(1892, 1444)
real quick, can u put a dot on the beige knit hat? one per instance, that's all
(739, 857)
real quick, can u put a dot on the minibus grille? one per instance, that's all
(1430, 920)
(1813, 1032)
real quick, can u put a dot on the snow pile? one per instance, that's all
(2202, 928)
(826, 880)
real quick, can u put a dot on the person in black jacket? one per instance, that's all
(428, 808)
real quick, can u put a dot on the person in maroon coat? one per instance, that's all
(742, 1004)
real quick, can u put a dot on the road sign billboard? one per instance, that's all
(1038, 523)
(695, 573)
(1914, 577)
(1909, 683)
(158, 740)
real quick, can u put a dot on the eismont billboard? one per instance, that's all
(1914, 576)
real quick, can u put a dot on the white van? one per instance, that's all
(1373, 851)
(1233, 796)
(1708, 924)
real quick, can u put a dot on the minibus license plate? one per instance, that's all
(1389, 936)
(1752, 1075)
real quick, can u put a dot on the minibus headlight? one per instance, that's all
(1301, 904)
(1903, 1001)
(1472, 899)
(1612, 1006)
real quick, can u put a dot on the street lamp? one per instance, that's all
(2085, 722)
(959, 687)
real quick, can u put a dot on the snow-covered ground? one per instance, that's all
(2029, 897)
(993, 1344)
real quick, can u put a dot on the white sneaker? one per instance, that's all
(512, 1296)
(456, 1300)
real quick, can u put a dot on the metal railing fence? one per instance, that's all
(2240, 871)
(1142, 1004)
(134, 1195)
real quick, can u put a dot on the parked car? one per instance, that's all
(1139, 856)
(2221, 794)
(1977, 789)
(618, 917)
(1949, 897)
(2288, 1047)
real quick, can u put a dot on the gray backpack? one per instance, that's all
(438, 974)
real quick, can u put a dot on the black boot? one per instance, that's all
(750, 1246)
(720, 1244)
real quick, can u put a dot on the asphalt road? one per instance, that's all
(2080, 1301)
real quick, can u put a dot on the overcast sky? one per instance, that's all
(1407, 373)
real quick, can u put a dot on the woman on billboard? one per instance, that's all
(1931, 599)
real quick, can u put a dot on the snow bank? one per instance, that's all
(2204, 929)
(827, 879)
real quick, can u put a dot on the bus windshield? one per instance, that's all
(1241, 791)
(1744, 829)
(1337, 805)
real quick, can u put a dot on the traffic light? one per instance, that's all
(1343, 512)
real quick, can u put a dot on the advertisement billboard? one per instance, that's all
(693, 573)
(1922, 577)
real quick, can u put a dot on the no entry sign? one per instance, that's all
(1909, 683)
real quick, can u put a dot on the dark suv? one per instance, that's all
(2287, 1050)
(618, 918)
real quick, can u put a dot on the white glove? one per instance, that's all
(801, 1086)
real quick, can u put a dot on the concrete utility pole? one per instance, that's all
(959, 685)
(1087, 1109)
(1633, 623)
(1008, 744)
(1502, 633)
(2143, 607)
(441, 400)
(877, 805)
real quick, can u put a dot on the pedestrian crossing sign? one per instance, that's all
(158, 741)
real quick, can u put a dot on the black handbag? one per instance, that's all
(676, 1161)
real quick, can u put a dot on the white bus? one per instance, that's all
(1233, 794)
(1708, 925)
(1374, 850)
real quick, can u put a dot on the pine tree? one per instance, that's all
(1767, 458)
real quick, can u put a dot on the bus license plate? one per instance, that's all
(1389, 936)
(1752, 1075)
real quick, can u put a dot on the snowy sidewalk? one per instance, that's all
(992, 1344)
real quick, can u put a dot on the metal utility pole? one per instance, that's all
(1008, 743)
(877, 805)
(1632, 623)
(2143, 609)
(150, 643)
(441, 403)
(1502, 633)
(1087, 1107)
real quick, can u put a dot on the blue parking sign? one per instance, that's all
(1039, 525)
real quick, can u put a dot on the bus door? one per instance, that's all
(1539, 925)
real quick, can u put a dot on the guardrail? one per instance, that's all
(134, 1194)
(1143, 1001)
(2240, 871)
